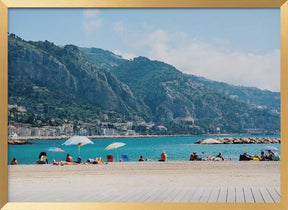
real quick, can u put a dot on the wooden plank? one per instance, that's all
(222, 198)
(239, 195)
(231, 194)
(118, 195)
(248, 195)
(275, 196)
(163, 193)
(136, 195)
(278, 190)
(257, 195)
(206, 195)
(143, 195)
(167, 195)
(180, 194)
(266, 195)
(197, 195)
(214, 195)
(140, 195)
(127, 197)
(151, 195)
(107, 194)
(172, 195)
(189, 194)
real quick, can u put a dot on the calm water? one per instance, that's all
(177, 148)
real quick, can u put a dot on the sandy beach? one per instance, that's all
(134, 181)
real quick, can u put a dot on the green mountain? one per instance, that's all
(172, 95)
(85, 84)
(65, 70)
(102, 59)
(250, 95)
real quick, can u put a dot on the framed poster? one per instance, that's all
(159, 38)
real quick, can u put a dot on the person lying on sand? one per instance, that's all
(209, 158)
(62, 163)
(98, 161)
(148, 159)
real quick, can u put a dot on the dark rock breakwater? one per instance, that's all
(17, 142)
(246, 140)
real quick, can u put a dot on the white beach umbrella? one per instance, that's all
(78, 140)
(115, 145)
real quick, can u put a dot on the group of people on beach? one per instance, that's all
(263, 157)
(70, 161)
(43, 159)
(194, 157)
(163, 157)
(269, 156)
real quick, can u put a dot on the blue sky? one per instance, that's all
(237, 46)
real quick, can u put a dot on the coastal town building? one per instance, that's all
(184, 120)
(107, 131)
(161, 128)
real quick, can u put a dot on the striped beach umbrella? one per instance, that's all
(54, 149)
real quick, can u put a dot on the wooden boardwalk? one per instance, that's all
(176, 195)
(197, 195)
(160, 194)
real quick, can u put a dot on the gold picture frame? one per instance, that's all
(6, 4)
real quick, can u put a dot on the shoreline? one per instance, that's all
(28, 139)
(242, 139)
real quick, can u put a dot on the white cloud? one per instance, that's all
(90, 13)
(119, 27)
(91, 20)
(203, 59)
(92, 25)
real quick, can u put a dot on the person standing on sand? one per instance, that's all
(163, 156)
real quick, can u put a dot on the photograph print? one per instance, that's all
(144, 105)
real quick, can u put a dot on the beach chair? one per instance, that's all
(109, 158)
(125, 158)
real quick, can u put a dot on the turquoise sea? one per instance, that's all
(177, 148)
